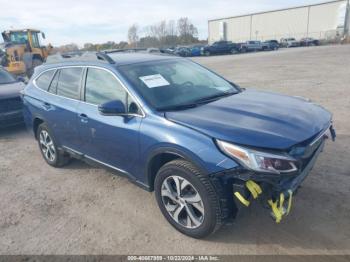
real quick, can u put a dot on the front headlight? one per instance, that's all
(257, 160)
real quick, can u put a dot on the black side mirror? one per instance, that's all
(112, 108)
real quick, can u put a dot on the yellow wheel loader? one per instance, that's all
(22, 51)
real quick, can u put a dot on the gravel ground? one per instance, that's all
(81, 209)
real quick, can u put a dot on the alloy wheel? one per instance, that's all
(182, 202)
(47, 146)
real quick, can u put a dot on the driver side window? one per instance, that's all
(101, 87)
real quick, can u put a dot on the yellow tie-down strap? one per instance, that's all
(253, 188)
(277, 207)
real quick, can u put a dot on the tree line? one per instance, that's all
(161, 34)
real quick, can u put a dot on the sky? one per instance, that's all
(97, 21)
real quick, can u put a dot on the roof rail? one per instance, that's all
(127, 50)
(79, 56)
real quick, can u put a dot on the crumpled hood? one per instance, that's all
(257, 119)
(10, 90)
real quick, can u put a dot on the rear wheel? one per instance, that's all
(187, 199)
(48, 147)
(207, 53)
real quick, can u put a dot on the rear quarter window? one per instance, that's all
(44, 80)
(69, 82)
(54, 82)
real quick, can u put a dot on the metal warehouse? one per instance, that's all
(323, 21)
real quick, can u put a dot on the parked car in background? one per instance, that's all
(10, 100)
(251, 46)
(182, 51)
(196, 50)
(270, 45)
(308, 41)
(220, 47)
(289, 42)
(205, 146)
(153, 50)
(168, 50)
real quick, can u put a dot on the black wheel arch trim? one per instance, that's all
(169, 150)
(52, 133)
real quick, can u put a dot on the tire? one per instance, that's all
(198, 217)
(207, 53)
(48, 147)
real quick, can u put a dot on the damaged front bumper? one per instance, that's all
(274, 191)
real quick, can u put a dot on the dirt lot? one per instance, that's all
(84, 210)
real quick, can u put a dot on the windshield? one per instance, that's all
(172, 83)
(6, 78)
(19, 37)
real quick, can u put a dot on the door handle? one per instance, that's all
(47, 105)
(83, 118)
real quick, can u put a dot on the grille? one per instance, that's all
(10, 104)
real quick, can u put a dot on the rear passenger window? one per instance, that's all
(44, 80)
(101, 86)
(69, 82)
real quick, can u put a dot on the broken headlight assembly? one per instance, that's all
(258, 160)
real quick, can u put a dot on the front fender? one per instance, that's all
(180, 151)
(159, 135)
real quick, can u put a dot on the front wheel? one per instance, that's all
(187, 199)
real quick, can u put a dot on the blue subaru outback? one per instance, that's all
(205, 146)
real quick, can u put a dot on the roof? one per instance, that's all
(131, 58)
(118, 58)
(21, 30)
(276, 10)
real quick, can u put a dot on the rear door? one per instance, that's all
(62, 108)
(111, 140)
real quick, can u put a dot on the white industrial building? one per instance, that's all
(322, 21)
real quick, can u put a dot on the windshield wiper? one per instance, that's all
(196, 103)
(214, 97)
(177, 107)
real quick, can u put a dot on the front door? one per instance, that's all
(112, 140)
